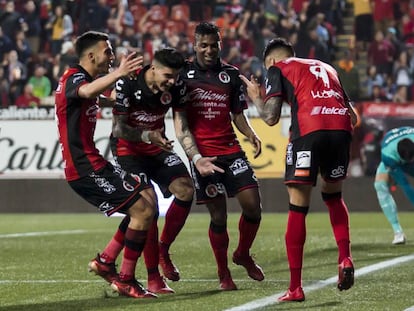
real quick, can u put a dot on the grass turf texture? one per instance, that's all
(48, 271)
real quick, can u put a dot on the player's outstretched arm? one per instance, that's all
(129, 65)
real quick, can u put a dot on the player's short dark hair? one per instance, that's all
(278, 43)
(170, 58)
(88, 39)
(405, 149)
(205, 28)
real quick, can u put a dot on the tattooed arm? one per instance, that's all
(121, 129)
(270, 110)
(204, 165)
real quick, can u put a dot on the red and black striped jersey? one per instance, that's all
(76, 120)
(145, 110)
(314, 92)
(213, 94)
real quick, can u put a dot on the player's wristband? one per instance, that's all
(145, 137)
(196, 157)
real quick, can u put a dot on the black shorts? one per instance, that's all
(238, 175)
(111, 189)
(324, 152)
(162, 168)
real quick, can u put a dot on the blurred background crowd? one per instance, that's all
(370, 42)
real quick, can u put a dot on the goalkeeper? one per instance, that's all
(397, 161)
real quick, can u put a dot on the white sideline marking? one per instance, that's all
(263, 302)
(410, 309)
(25, 234)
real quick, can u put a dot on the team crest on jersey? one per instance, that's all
(211, 190)
(166, 98)
(128, 186)
(136, 177)
(224, 77)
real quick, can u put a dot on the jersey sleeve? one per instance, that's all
(273, 83)
(179, 95)
(238, 102)
(122, 97)
(73, 84)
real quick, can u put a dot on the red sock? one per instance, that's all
(295, 239)
(247, 233)
(151, 252)
(116, 244)
(219, 241)
(338, 213)
(174, 220)
(134, 245)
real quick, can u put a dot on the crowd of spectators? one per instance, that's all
(36, 38)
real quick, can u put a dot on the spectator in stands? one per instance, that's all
(383, 13)
(390, 87)
(402, 75)
(45, 60)
(372, 78)
(16, 72)
(408, 27)
(95, 15)
(21, 46)
(6, 45)
(11, 20)
(318, 49)
(32, 19)
(61, 28)
(364, 23)
(377, 94)
(401, 94)
(349, 76)
(381, 53)
(66, 57)
(40, 82)
(129, 38)
(393, 37)
(27, 99)
(4, 90)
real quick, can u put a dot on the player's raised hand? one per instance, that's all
(130, 63)
(252, 86)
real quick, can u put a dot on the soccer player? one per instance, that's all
(320, 137)
(397, 161)
(218, 163)
(96, 180)
(139, 144)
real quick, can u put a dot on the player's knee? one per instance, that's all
(184, 190)
(144, 210)
(381, 186)
(185, 193)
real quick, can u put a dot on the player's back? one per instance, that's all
(314, 91)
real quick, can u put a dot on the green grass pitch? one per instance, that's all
(44, 257)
